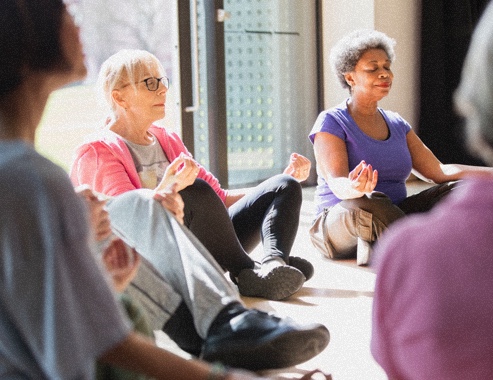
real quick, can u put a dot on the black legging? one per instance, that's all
(269, 213)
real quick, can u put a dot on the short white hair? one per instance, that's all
(125, 67)
(348, 50)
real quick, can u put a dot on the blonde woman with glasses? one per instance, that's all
(131, 152)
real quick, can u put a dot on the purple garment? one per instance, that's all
(390, 157)
(433, 309)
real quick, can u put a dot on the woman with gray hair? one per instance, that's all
(432, 307)
(365, 154)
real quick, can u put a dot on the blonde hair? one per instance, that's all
(124, 68)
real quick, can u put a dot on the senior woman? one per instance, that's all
(131, 152)
(364, 154)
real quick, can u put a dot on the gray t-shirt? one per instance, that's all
(57, 312)
(150, 162)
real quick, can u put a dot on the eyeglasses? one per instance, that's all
(152, 83)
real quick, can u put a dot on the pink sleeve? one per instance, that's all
(380, 345)
(96, 166)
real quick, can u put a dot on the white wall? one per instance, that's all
(397, 18)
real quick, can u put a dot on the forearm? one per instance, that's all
(339, 183)
(343, 188)
(140, 355)
(359, 181)
(453, 172)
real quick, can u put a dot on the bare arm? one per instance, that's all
(139, 354)
(426, 165)
(332, 163)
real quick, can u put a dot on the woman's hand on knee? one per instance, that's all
(98, 216)
(122, 263)
(172, 201)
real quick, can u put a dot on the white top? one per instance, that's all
(150, 162)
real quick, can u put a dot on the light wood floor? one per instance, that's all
(340, 296)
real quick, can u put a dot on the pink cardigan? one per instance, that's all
(105, 164)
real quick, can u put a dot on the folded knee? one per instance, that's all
(290, 186)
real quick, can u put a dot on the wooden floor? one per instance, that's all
(340, 296)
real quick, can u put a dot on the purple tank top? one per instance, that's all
(390, 157)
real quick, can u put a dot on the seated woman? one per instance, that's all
(180, 286)
(58, 315)
(185, 293)
(365, 154)
(432, 308)
(132, 153)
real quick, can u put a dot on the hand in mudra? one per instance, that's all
(363, 178)
(183, 171)
(299, 167)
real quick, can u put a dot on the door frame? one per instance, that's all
(215, 86)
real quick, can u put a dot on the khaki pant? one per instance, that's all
(336, 231)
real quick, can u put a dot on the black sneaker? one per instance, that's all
(255, 340)
(280, 283)
(302, 265)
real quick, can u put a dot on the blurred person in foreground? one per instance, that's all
(432, 312)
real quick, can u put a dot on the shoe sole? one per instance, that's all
(279, 284)
(281, 350)
(303, 265)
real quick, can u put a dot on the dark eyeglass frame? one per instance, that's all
(150, 84)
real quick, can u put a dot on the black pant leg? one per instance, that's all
(270, 213)
(208, 219)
